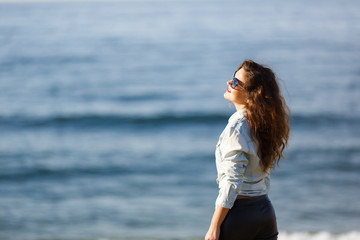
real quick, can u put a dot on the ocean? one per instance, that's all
(110, 112)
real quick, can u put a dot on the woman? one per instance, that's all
(248, 148)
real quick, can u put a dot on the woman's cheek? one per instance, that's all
(238, 96)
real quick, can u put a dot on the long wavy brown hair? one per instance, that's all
(266, 111)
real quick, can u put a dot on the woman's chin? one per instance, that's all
(226, 96)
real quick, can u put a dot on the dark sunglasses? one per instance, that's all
(235, 82)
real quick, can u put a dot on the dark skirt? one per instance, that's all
(250, 219)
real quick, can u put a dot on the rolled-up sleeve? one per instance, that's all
(234, 164)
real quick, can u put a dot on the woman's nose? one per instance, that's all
(229, 82)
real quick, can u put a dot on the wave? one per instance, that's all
(144, 97)
(109, 120)
(355, 235)
(48, 173)
(18, 173)
(324, 118)
(319, 236)
(95, 120)
(40, 60)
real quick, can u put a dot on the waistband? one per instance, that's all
(251, 201)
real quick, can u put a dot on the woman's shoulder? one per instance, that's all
(239, 123)
(239, 134)
(238, 128)
(236, 135)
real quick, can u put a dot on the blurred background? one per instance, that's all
(110, 112)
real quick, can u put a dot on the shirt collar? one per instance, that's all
(237, 115)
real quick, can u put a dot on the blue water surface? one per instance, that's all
(110, 112)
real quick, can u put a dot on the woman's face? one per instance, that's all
(238, 94)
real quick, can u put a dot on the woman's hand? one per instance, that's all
(216, 221)
(213, 234)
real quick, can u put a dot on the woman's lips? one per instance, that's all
(228, 90)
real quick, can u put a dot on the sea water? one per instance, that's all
(110, 112)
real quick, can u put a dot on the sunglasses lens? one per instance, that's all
(234, 83)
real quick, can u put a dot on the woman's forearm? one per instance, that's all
(216, 221)
(219, 216)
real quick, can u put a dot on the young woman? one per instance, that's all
(248, 148)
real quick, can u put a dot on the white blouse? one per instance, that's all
(238, 166)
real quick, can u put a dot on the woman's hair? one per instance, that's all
(267, 112)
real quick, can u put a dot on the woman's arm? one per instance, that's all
(217, 219)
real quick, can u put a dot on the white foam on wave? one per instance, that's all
(319, 236)
(355, 235)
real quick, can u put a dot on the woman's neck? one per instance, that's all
(239, 106)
